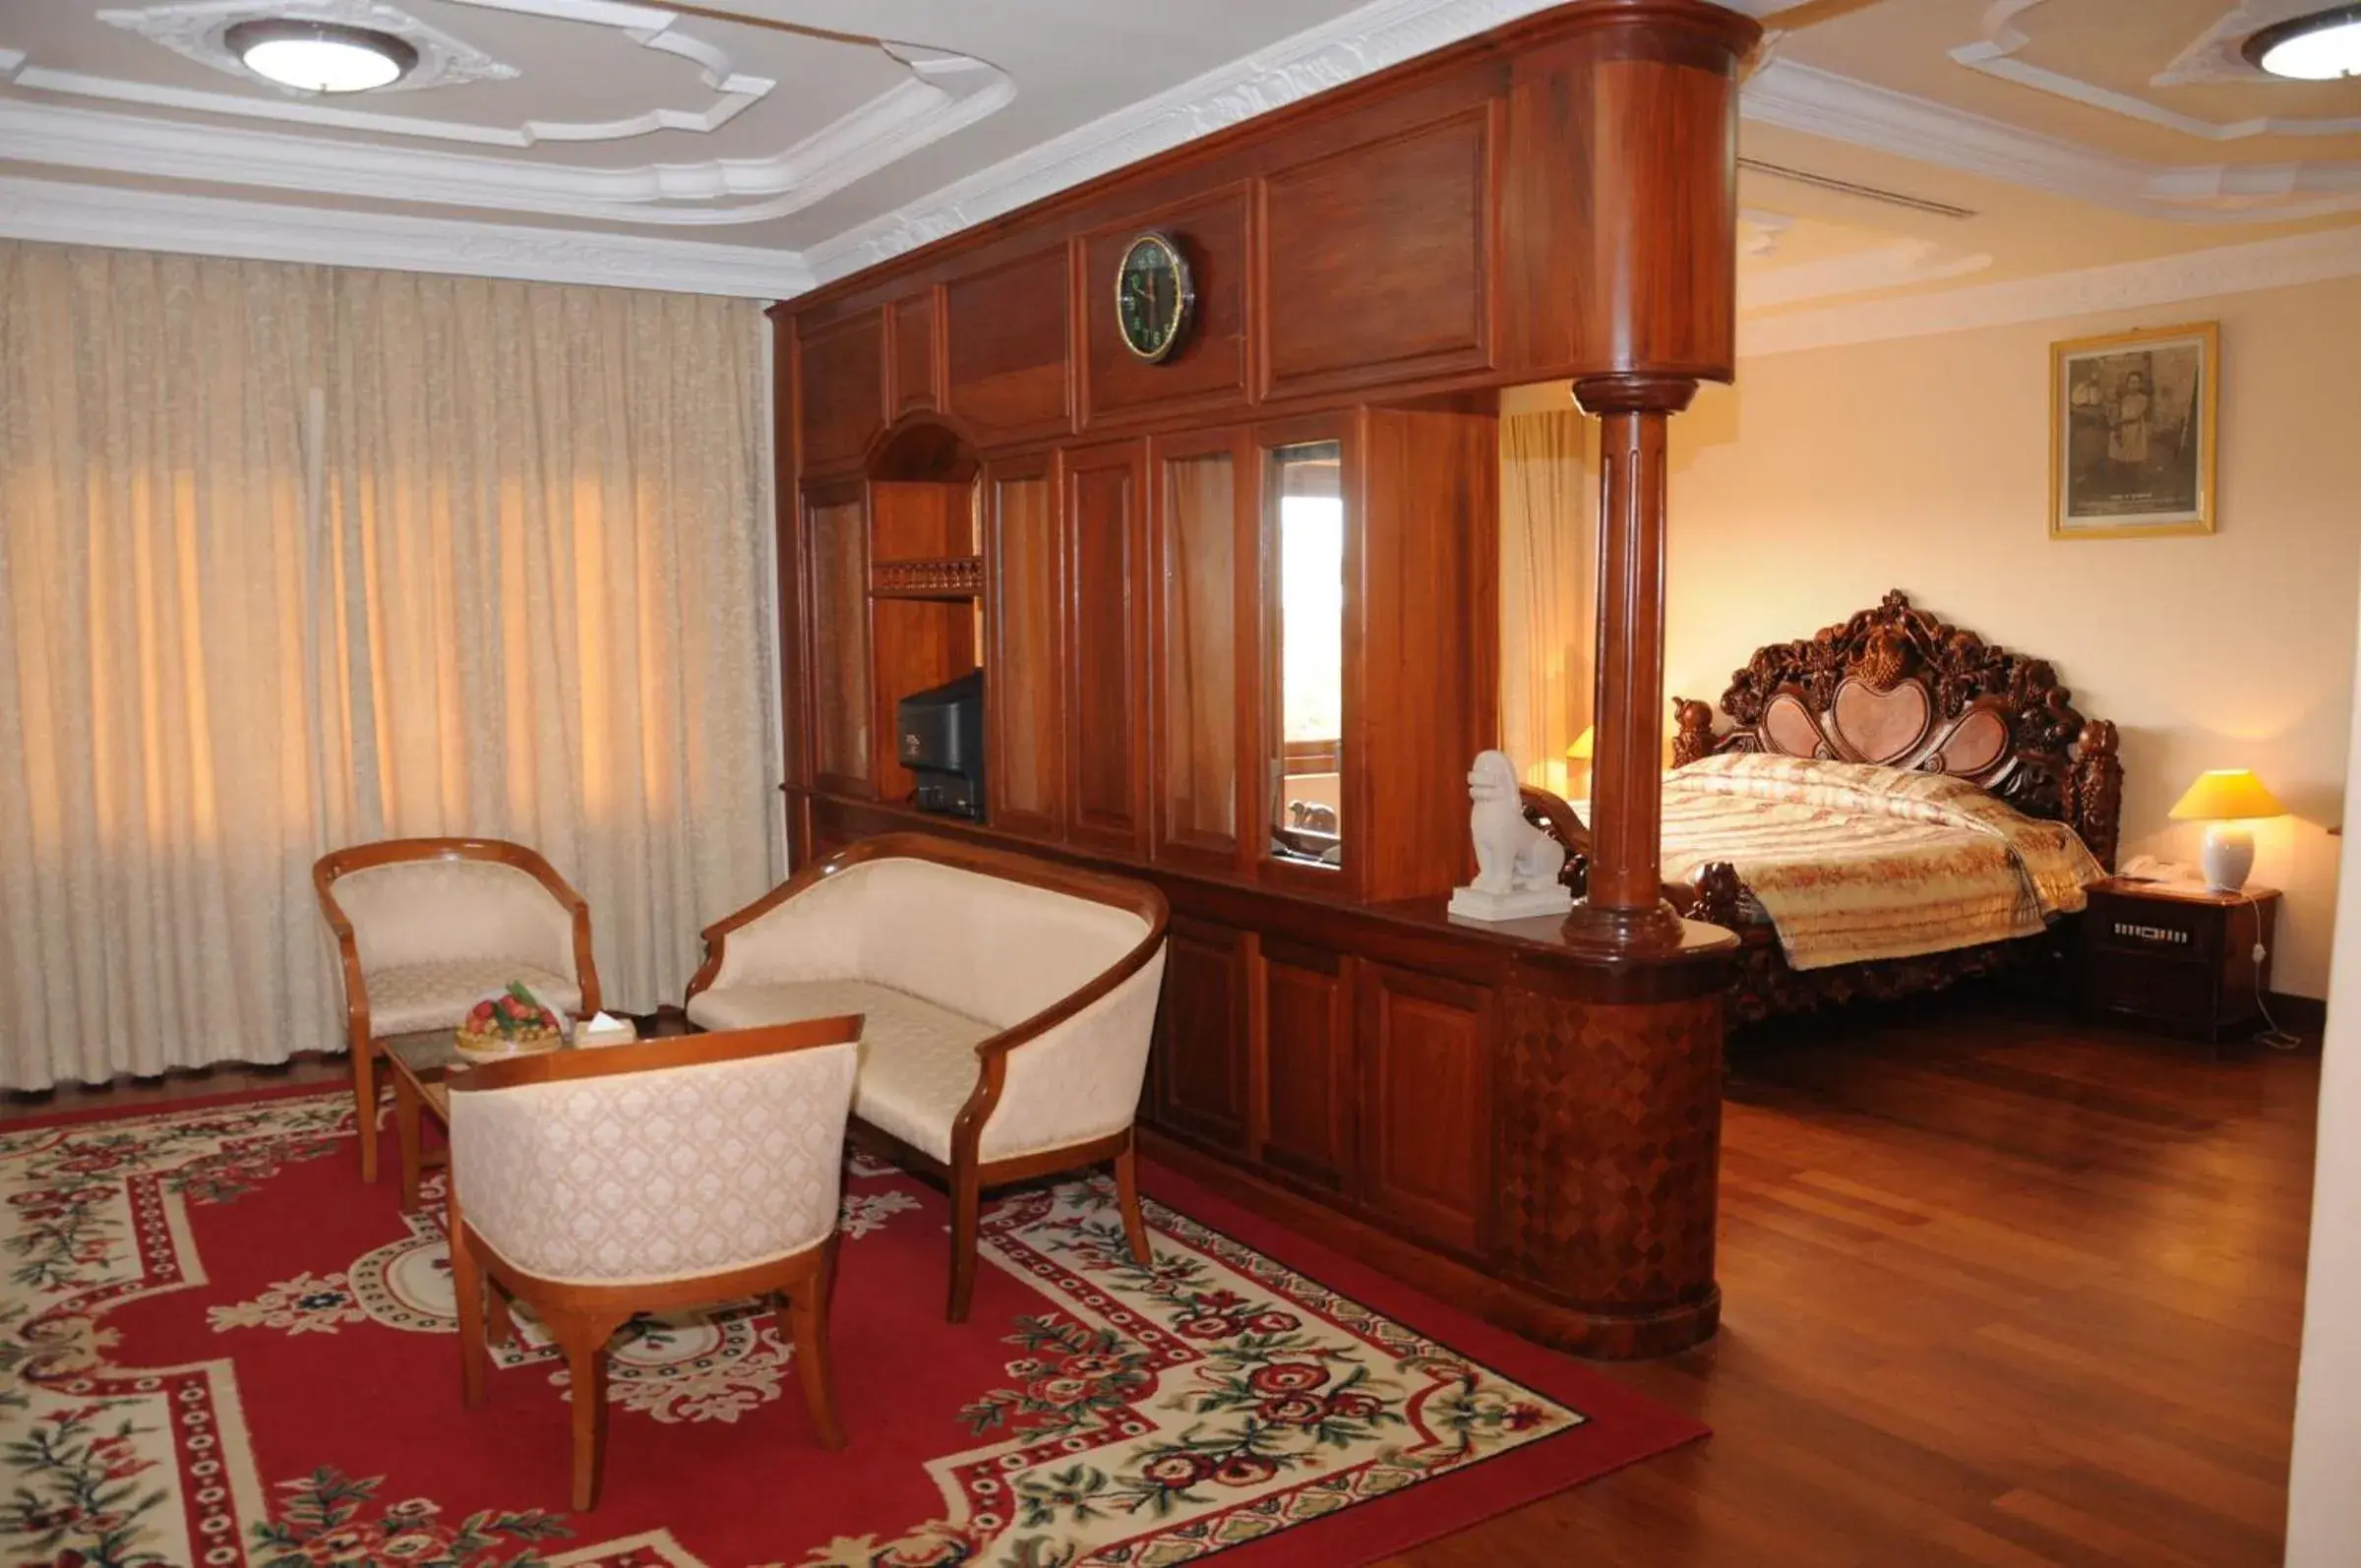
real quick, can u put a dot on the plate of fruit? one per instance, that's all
(511, 1024)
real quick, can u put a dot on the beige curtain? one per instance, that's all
(294, 557)
(1548, 570)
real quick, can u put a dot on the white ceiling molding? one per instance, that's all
(1995, 55)
(196, 30)
(1315, 60)
(1802, 97)
(1895, 263)
(1355, 44)
(944, 93)
(160, 221)
(2089, 291)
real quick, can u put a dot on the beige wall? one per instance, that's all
(1828, 476)
(2323, 1507)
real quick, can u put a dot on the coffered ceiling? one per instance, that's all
(1929, 151)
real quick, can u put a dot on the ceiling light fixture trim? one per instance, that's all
(2325, 47)
(2213, 58)
(319, 56)
(198, 29)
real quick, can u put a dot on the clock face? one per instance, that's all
(1154, 297)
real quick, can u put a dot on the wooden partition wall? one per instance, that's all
(1237, 616)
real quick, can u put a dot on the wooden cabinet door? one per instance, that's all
(1203, 556)
(1200, 1063)
(1425, 1135)
(917, 357)
(1024, 688)
(840, 389)
(836, 571)
(1303, 1062)
(1376, 260)
(1107, 717)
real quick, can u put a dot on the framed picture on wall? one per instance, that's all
(2131, 433)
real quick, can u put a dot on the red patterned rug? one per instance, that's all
(218, 1347)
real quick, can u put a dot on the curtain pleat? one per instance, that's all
(1548, 569)
(292, 558)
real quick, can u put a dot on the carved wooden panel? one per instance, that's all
(1611, 1129)
(1209, 368)
(1427, 1103)
(1201, 1034)
(914, 354)
(1374, 261)
(1106, 619)
(1024, 694)
(1007, 331)
(840, 372)
(1304, 1061)
(836, 524)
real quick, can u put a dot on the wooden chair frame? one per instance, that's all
(581, 1317)
(361, 1039)
(967, 1174)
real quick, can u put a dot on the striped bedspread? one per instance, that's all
(1851, 863)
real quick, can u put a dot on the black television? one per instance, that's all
(940, 738)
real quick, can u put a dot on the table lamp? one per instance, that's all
(1579, 752)
(2225, 799)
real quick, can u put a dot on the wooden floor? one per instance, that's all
(1999, 1291)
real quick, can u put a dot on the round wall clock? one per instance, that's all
(1154, 296)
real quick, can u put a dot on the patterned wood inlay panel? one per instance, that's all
(1610, 1136)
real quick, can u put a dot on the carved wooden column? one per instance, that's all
(1654, 169)
(1625, 906)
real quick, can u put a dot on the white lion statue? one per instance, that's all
(1512, 856)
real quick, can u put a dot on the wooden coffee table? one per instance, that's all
(420, 1063)
(423, 1061)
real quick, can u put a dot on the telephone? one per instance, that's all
(2148, 868)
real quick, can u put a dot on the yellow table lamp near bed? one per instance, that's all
(2225, 799)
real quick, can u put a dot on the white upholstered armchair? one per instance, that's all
(427, 925)
(595, 1185)
(1010, 1004)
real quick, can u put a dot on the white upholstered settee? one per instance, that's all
(1010, 1004)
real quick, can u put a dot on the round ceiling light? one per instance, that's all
(2320, 47)
(319, 56)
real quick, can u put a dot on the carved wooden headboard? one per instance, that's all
(1896, 687)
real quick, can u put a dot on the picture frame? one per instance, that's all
(2133, 420)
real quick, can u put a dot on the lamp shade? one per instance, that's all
(2226, 793)
(1580, 751)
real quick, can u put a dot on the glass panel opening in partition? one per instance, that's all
(1307, 665)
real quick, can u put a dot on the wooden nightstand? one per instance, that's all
(2178, 958)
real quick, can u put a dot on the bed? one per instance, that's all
(1892, 806)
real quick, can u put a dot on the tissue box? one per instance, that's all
(605, 1029)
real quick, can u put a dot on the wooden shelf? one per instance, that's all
(950, 577)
